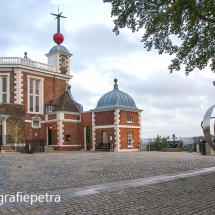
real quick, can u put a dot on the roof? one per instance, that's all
(66, 102)
(116, 99)
(59, 48)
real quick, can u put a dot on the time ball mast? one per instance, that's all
(58, 37)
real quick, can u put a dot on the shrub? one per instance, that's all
(158, 144)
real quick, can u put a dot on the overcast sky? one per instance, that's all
(171, 103)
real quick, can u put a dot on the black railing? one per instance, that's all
(34, 146)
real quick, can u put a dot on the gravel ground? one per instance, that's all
(39, 173)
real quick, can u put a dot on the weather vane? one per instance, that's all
(58, 37)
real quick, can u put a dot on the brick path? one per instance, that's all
(53, 173)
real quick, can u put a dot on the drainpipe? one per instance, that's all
(12, 94)
(54, 88)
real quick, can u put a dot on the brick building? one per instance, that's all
(36, 103)
(117, 120)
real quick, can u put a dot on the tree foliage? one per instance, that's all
(88, 135)
(158, 144)
(192, 21)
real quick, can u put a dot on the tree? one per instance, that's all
(192, 21)
(158, 143)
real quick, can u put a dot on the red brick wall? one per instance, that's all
(124, 137)
(123, 118)
(52, 116)
(71, 129)
(99, 138)
(49, 87)
(104, 117)
(70, 116)
(30, 132)
(86, 120)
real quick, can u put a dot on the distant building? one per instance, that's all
(36, 103)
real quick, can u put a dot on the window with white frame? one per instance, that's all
(35, 95)
(49, 108)
(63, 62)
(129, 139)
(4, 89)
(36, 124)
(129, 119)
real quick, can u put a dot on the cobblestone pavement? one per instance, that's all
(39, 173)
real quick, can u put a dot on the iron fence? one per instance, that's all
(34, 146)
(186, 141)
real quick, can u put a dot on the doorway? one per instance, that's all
(105, 136)
(86, 137)
(1, 133)
(49, 136)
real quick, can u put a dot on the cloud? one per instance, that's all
(171, 103)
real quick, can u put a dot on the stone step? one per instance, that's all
(49, 149)
(7, 149)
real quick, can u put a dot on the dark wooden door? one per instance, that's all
(1, 134)
(49, 136)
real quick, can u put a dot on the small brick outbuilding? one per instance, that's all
(117, 120)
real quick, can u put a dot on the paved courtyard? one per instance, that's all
(110, 183)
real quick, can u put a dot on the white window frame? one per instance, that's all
(40, 95)
(49, 108)
(63, 62)
(7, 76)
(33, 126)
(130, 138)
(129, 119)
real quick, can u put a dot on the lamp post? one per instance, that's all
(78, 118)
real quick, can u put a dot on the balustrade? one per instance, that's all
(26, 62)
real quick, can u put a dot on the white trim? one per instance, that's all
(93, 131)
(129, 150)
(18, 87)
(60, 76)
(140, 132)
(60, 132)
(60, 115)
(62, 120)
(117, 117)
(117, 130)
(36, 69)
(63, 145)
(116, 126)
(85, 139)
(93, 119)
(27, 120)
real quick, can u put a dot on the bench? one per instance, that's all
(102, 146)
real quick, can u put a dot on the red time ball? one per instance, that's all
(58, 38)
